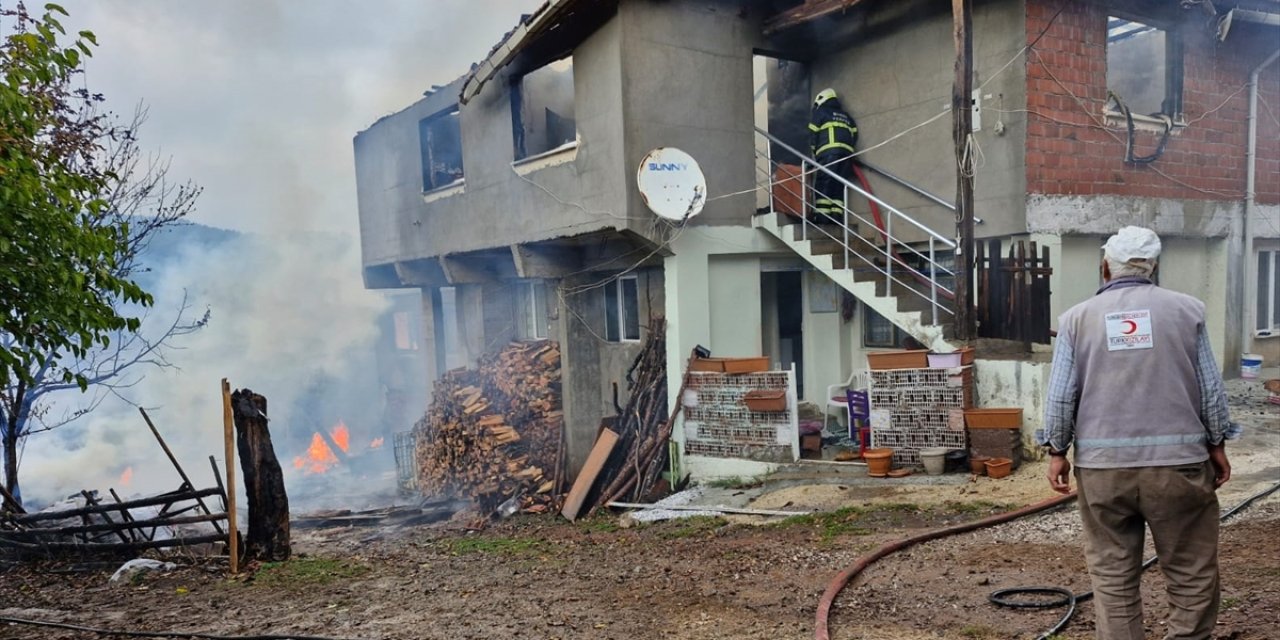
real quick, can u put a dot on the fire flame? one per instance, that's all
(341, 436)
(126, 478)
(377, 442)
(319, 457)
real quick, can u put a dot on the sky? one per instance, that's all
(258, 100)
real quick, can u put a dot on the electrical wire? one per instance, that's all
(157, 634)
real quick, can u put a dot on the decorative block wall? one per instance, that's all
(718, 423)
(914, 409)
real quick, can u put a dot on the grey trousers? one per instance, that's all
(1180, 506)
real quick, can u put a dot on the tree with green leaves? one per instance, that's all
(75, 211)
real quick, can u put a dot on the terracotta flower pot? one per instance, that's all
(999, 467)
(879, 461)
(978, 464)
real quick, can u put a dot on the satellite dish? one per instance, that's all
(672, 184)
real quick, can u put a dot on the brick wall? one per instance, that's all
(1068, 153)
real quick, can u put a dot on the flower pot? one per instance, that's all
(934, 459)
(911, 359)
(978, 464)
(879, 461)
(999, 467)
(766, 400)
(993, 418)
(957, 460)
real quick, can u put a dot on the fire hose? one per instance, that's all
(1002, 597)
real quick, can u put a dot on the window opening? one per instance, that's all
(542, 109)
(1144, 68)
(440, 139)
(1267, 299)
(878, 331)
(622, 310)
(531, 310)
(406, 338)
(450, 339)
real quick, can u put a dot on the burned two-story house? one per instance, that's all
(509, 197)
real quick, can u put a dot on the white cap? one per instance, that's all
(1133, 243)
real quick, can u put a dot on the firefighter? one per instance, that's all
(832, 136)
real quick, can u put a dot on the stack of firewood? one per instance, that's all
(496, 432)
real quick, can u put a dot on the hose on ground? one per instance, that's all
(844, 577)
(1009, 597)
(155, 634)
(1002, 597)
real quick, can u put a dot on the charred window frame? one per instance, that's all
(543, 116)
(622, 310)
(1144, 69)
(440, 141)
(531, 310)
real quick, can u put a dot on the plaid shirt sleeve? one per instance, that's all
(1060, 407)
(1213, 394)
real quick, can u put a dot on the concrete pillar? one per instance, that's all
(685, 275)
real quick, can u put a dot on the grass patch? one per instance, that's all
(736, 482)
(599, 524)
(831, 524)
(1228, 603)
(977, 506)
(690, 527)
(979, 632)
(307, 571)
(493, 546)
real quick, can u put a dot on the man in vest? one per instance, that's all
(832, 136)
(1135, 388)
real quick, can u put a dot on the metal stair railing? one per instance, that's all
(927, 286)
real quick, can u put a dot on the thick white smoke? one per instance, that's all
(288, 313)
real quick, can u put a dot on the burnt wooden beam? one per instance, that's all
(807, 12)
(167, 498)
(268, 535)
(110, 547)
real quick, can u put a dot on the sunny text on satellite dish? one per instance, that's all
(672, 184)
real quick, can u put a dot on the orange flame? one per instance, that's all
(126, 478)
(319, 457)
(377, 442)
(341, 436)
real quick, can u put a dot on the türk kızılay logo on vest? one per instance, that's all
(1128, 330)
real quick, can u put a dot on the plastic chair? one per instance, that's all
(836, 398)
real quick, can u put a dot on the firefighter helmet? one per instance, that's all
(823, 96)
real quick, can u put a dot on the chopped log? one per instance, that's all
(268, 535)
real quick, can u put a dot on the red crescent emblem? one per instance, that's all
(1129, 327)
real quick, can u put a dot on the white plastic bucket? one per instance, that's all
(1250, 365)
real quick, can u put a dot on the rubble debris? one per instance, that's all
(496, 431)
(84, 525)
(138, 566)
(428, 512)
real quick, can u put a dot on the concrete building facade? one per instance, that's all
(516, 211)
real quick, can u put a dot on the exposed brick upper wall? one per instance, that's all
(1069, 153)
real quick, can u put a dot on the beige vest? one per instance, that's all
(1135, 354)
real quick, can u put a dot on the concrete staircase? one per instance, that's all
(863, 276)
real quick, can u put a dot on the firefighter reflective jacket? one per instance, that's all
(831, 128)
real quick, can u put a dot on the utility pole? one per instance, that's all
(962, 128)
